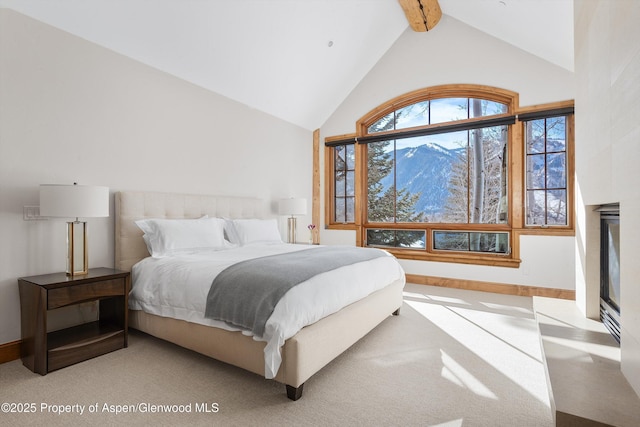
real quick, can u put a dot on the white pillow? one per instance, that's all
(168, 236)
(256, 231)
(230, 232)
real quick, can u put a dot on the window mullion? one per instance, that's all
(468, 148)
(395, 182)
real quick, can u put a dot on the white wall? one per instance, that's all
(608, 153)
(456, 53)
(73, 111)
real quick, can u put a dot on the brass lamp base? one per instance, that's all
(291, 229)
(77, 254)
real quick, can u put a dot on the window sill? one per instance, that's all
(545, 231)
(488, 260)
(339, 226)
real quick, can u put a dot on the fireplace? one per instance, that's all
(610, 268)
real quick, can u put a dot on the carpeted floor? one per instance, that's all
(452, 358)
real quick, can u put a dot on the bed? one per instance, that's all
(302, 354)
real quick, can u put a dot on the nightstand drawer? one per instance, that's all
(85, 292)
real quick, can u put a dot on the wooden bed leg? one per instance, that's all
(396, 313)
(294, 393)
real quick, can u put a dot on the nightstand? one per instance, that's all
(44, 352)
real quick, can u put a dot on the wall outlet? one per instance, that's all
(31, 213)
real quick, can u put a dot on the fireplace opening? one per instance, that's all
(610, 268)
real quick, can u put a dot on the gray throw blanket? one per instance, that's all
(245, 294)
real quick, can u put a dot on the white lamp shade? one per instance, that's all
(74, 201)
(292, 206)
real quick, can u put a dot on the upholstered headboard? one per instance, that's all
(133, 205)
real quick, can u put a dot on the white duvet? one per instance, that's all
(177, 287)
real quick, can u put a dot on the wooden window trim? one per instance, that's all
(329, 187)
(490, 93)
(551, 230)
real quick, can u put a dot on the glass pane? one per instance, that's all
(351, 156)
(419, 188)
(431, 181)
(485, 242)
(340, 160)
(340, 214)
(448, 110)
(385, 123)
(344, 183)
(381, 181)
(410, 239)
(556, 171)
(487, 181)
(556, 134)
(350, 202)
(535, 171)
(413, 115)
(534, 131)
(350, 190)
(483, 107)
(450, 241)
(556, 207)
(340, 184)
(536, 202)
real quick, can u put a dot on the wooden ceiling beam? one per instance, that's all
(422, 15)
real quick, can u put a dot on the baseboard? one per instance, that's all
(498, 288)
(10, 351)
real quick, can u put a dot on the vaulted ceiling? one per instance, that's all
(293, 59)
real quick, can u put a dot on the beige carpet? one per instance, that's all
(452, 358)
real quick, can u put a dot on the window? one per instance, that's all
(546, 171)
(344, 183)
(435, 174)
(456, 175)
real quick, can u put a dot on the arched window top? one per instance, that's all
(438, 105)
(435, 111)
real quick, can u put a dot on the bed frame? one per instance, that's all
(302, 355)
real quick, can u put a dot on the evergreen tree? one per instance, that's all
(390, 204)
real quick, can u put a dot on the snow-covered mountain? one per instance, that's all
(425, 169)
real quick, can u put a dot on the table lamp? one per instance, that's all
(75, 201)
(292, 207)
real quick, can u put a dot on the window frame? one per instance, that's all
(515, 224)
(547, 111)
(330, 185)
(346, 196)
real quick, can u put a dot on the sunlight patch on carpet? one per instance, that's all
(508, 345)
(457, 374)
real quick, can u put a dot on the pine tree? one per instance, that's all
(390, 204)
